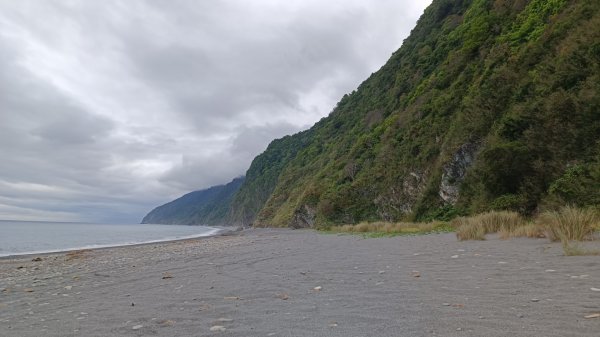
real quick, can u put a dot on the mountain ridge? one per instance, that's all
(488, 104)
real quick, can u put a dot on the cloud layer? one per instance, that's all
(109, 108)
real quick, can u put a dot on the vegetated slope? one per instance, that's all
(262, 177)
(205, 207)
(489, 104)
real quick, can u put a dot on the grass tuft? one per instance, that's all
(570, 224)
(382, 229)
(477, 226)
(530, 230)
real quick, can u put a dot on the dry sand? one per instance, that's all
(266, 283)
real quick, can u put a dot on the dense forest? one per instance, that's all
(488, 105)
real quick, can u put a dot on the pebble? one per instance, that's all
(222, 319)
(317, 288)
(137, 327)
(454, 256)
(592, 316)
(594, 289)
(382, 272)
(550, 270)
(69, 287)
(535, 300)
(217, 328)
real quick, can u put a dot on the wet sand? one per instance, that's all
(271, 282)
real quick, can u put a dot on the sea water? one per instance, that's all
(29, 237)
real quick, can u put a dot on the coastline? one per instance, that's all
(280, 282)
(219, 230)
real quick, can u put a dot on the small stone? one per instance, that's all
(319, 288)
(502, 262)
(596, 315)
(137, 327)
(217, 328)
(595, 289)
(333, 324)
(231, 298)
(446, 304)
(283, 296)
(28, 290)
(550, 270)
(535, 300)
(454, 256)
(69, 287)
(382, 272)
(416, 273)
(167, 276)
(458, 329)
(223, 319)
(481, 317)
(167, 322)
(37, 259)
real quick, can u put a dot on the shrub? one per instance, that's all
(530, 230)
(469, 230)
(392, 228)
(570, 223)
(475, 227)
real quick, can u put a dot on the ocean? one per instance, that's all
(31, 237)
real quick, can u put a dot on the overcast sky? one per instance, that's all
(110, 108)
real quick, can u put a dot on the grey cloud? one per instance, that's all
(110, 108)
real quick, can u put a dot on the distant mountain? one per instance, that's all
(488, 104)
(204, 207)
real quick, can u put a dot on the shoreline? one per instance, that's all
(218, 231)
(281, 282)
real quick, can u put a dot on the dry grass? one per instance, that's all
(570, 224)
(530, 230)
(573, 249)
(77, 254)
(477, 226)
(392, 228)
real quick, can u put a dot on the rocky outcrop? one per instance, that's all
(304, 217)
(454, 172)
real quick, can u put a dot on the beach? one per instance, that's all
(280, 282)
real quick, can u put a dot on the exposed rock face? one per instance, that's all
(304, 217)
(454, 172)
(399, 200)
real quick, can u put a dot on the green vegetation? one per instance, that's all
(488, 105)
(388, 229)
(205, 207)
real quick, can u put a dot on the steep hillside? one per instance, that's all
(489, 104)
(205, 207)
(262, 177)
